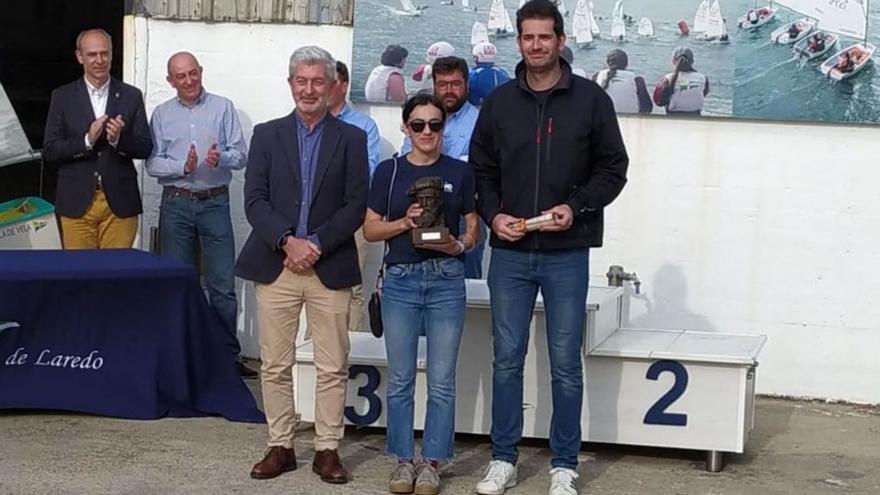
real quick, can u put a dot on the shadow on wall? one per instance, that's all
(664, 303)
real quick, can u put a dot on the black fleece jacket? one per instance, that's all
(530, 156)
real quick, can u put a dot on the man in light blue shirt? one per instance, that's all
(338, 107)
(197, 143)
(451, 87)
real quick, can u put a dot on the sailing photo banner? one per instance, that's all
(799, 60)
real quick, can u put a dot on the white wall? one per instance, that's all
(733, 226)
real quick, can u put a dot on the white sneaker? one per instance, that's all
(500, 476)
(563, 481)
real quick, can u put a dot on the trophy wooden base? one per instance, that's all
(431, 235)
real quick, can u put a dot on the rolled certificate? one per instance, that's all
(534, 223)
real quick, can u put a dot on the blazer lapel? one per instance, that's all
(287, 134)
(84, 101)
(113, 95)
(329, 142)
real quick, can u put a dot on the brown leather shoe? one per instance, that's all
(328, 465)
(278, 460)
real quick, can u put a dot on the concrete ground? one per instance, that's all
(796, 448)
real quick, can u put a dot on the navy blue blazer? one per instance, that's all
(273, 195)
(70, 115)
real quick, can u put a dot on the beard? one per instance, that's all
(459, 102)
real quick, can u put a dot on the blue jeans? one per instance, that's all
(514, 280)
(473, 260)
(430, 293)
(183, 218)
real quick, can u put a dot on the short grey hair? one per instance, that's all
(313, 55)
(100, 31)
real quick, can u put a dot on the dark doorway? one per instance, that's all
(37, 43)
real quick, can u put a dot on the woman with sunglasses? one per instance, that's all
(423, 286)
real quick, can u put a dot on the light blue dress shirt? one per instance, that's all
(374, 145)
(456, 133)
(212, 119)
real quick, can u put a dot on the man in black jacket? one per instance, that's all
(545, 143)
(95, 127)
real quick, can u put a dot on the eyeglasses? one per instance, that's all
(442, 85)
(418, 125)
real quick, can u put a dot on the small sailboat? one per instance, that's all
(618, 25)
(466, 6)
(716, 29)
(848, 19)
(814, 46)
(582, 25)
(792, 32)
(757, 17)
(409, 9)
(499, 25)
(560, 5)
(646, 28)
(479, 33)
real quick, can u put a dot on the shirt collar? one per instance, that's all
(465, 109)
(97, 91)
(201, 99)
(345, 110)
(301, 125)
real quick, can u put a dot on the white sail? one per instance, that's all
(716, 27)
(618, 10)
(14, 145)
(479, 33)
(582, 25)
(594, 26)
(508, 23)
(560, 5)
(408, 6)
(646, 27)
(846, 18)
(499, 19)
(466, 4)
(618, 26)
(521, 3)
(701, 18)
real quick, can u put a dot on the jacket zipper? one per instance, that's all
(540, 112)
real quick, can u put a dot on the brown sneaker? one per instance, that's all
(403, 478)
(427, 479)
(328, 465)
(278, 460)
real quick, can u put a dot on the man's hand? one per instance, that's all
(501, 225)
(301, 254)
(192, 160)
(562, 218)
(213, 157)
(96, 129)
(114, 128)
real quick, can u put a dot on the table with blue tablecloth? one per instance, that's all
(121, 333)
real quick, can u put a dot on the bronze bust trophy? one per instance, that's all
(431, 224)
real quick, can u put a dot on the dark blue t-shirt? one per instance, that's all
(458, 200)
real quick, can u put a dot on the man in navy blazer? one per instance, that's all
(305, 196)
(95, 127)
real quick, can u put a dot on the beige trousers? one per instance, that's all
(279, 305)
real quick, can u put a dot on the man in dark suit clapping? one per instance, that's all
(305, 196)
(95, 127)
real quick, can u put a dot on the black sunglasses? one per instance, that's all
(418, 125)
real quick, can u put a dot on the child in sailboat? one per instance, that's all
(627, 90)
